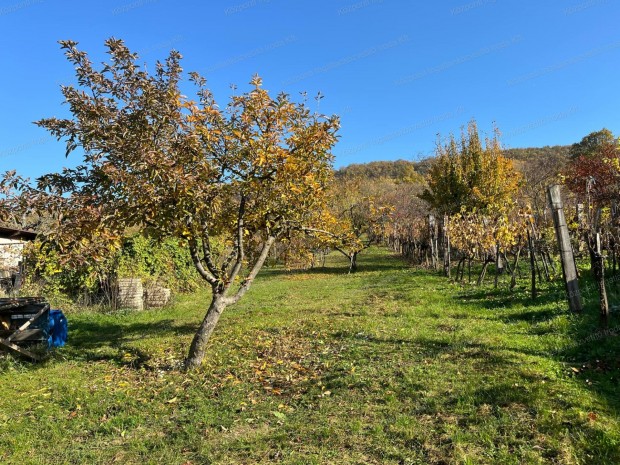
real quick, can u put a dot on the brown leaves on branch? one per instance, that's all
(594, 170)
(154, 158)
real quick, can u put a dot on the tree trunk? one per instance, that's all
(536, 260)
(201, 338)
(598, 270)
(499, 265)
(484, 271)
(432, 227)
(550, 260)
(513, 278)
(446, 246)
(460, 268)
(221, 299)
(353, 264)
(507, 265)
(582, 221)
(543, 259)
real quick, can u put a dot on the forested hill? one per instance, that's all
(551, 156)
(555, 152)
(399, 169)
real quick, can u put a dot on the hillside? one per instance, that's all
(556, 152)
(399, 169)
(552, 157)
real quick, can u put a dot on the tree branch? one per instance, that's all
(247, 282)
(193, 249)
(228, 261)
(206, 251)
(348, 255)
(320, 231)
(239, 246)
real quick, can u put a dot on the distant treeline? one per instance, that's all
(556, 155)
(526, 154)
(399, 169)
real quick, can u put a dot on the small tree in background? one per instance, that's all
(361, 210)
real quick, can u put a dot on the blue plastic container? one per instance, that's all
(58, 329)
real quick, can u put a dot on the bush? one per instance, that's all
(167, 263)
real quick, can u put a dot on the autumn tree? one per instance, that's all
(14, 208)
(471, 174)
(361, 209)
(593, 173)
(365, 200)
(590, 145)
(243, 174)
(301, 252)
(384, 197)
(594, 169)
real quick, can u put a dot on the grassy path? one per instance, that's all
(391, 365)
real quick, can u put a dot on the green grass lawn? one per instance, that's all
(391, 365)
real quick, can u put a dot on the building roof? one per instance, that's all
(10, 233)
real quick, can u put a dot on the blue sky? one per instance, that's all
(398, 72)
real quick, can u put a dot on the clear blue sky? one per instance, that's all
(398, 72)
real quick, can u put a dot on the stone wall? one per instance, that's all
(132, 294)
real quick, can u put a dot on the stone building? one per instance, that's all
(12, 243)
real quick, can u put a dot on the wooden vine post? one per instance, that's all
(530, 244)
(446, 245)
(566, 253)
(432, 231)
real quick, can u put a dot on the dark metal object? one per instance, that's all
(23, 322)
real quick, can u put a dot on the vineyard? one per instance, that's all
(486, 212)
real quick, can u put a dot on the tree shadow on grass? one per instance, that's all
(85, 334)
(504, 394)
(428, 348)
(503, 299)
(106, 341)
(593, 354)
(533, 316)
(524, 398)
(593, 357)
(507, 385)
